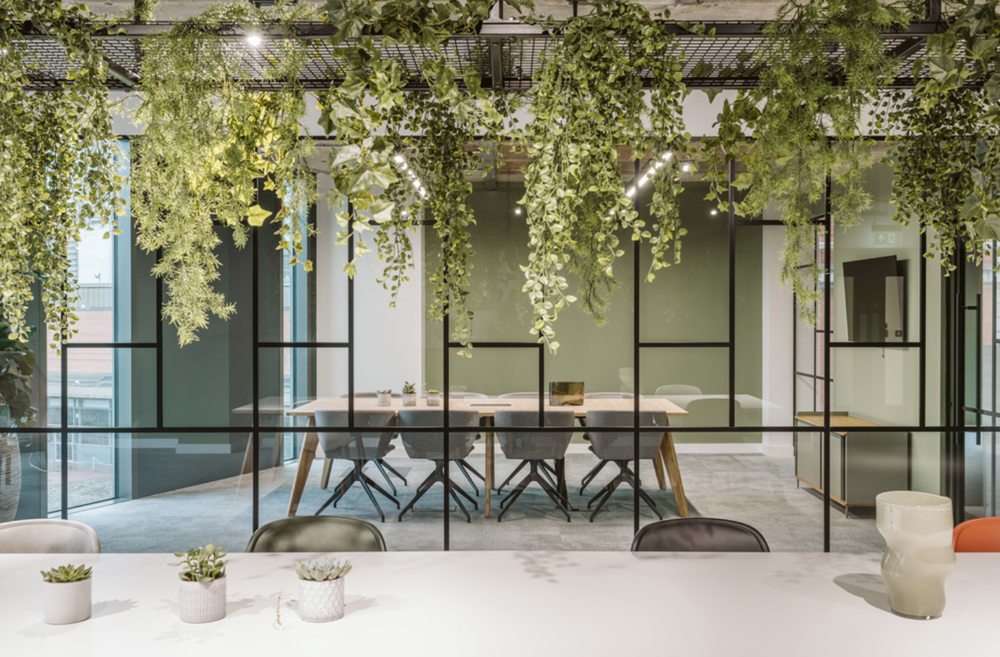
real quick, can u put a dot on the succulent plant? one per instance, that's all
(324, 569)
(384, 392)
(203, 564)
(409, 388)
(432, 391)
(66, 574)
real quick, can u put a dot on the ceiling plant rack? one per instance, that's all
(505, 60)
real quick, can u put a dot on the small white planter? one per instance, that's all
(321, 602)
(203, 603)
(409, 399)
(66, 602)
(434, 400)
(384, 399)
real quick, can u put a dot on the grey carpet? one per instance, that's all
(756, 489)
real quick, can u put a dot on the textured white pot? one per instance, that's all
(66, 602)
(433, 400)
(918, 555)
(321, 602)
(203, 603)
(409, 399)
(384, 400)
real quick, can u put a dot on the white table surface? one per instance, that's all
(516, 603)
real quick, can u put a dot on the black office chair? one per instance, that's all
(698, 535)
(317, 534)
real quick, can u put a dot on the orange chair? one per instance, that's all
(979, 535)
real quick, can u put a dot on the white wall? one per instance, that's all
(776, 343)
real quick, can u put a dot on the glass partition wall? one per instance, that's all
(159, 446)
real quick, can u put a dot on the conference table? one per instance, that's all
(497, 604)
(666, 459)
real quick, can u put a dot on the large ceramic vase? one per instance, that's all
(10, 469)
(918, 556)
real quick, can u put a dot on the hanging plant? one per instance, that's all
(209, 139)
(820, 66)
(588, 103)
(371, 117)
(59, 162)
(946, 150)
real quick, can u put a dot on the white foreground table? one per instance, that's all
(515, 603)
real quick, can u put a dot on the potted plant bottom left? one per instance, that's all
(67, 596)
(203, 584)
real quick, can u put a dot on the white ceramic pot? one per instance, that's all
(203, 603)
(66, 602)
(384, 400)
(321, 602)
(409, 399)
(433, 400)
(918, 555)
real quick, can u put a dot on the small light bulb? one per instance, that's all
(517, 211)
(714, 212)
(253, 40)
(399, 159)
(686, 167)
(667, 155)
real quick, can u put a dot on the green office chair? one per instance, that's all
(317, 534)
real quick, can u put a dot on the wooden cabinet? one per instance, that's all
(862, 463)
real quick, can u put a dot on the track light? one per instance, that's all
(253, 40)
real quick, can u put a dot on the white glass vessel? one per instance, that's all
(918, 556)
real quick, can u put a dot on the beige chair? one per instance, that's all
(41, 536)
(317, 534)
(678, 389)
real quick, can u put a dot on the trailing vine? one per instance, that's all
(59, 163)
(208, 140)
(587, 102)
(806, 118)
(370, 116)
(946, 152)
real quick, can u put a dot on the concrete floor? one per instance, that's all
(756, 489)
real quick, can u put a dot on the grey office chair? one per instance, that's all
(547, 470)
(587, 478)
(464, 466)
(678, 389)
(698, 535)
(619, 447)
(317, 534)
(430, 446)
(532, 448)
(359, 448)
(381, 464)
(43, 535)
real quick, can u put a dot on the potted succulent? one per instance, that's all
(384, 397)
(67, 595)
(203, 584)
(433, 397)
(409, 394)
(321, 588)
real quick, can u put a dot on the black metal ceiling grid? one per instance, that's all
(726, 60)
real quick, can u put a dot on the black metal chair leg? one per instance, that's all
(545, 473)
(456, 488)
(506, 481)
(599, 494)
(520, 487)
(385, 475)
(458, 464)
(339, 490)
(589, 477)
(513, 496)
(471, 469)
(367, 480)
(461, 506)
(371, 496)
(557, 498)
(393, 470)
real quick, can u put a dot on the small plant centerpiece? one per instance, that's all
(321, 588)
(67, 595)
(409, 394)
(384, 397)
(203, 584)
(433, 397)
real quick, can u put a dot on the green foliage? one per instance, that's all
(202, 564)
(324, 569)
(409, 388)
(432, 391)
(66, 574)
(587, 104)
(59, 163)
(807, 123)
(384, 392)
(207, 143)
(17, 365)
(946, 146)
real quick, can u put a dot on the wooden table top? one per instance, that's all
(837, 421)
(487, 407)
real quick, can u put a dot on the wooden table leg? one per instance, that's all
(669, 455)
(247, 459)
(661, 476)
(302, 473)
(489, 469)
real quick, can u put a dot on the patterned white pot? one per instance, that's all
(409, 399)
(66, 602)
(203, 603)
(384, 399)
(321, 602)
(433, 400)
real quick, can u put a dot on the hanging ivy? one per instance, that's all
(208, 139)
(588, 102)
(946, 150)
(370, 117)
(59, 162)
(821, 65)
